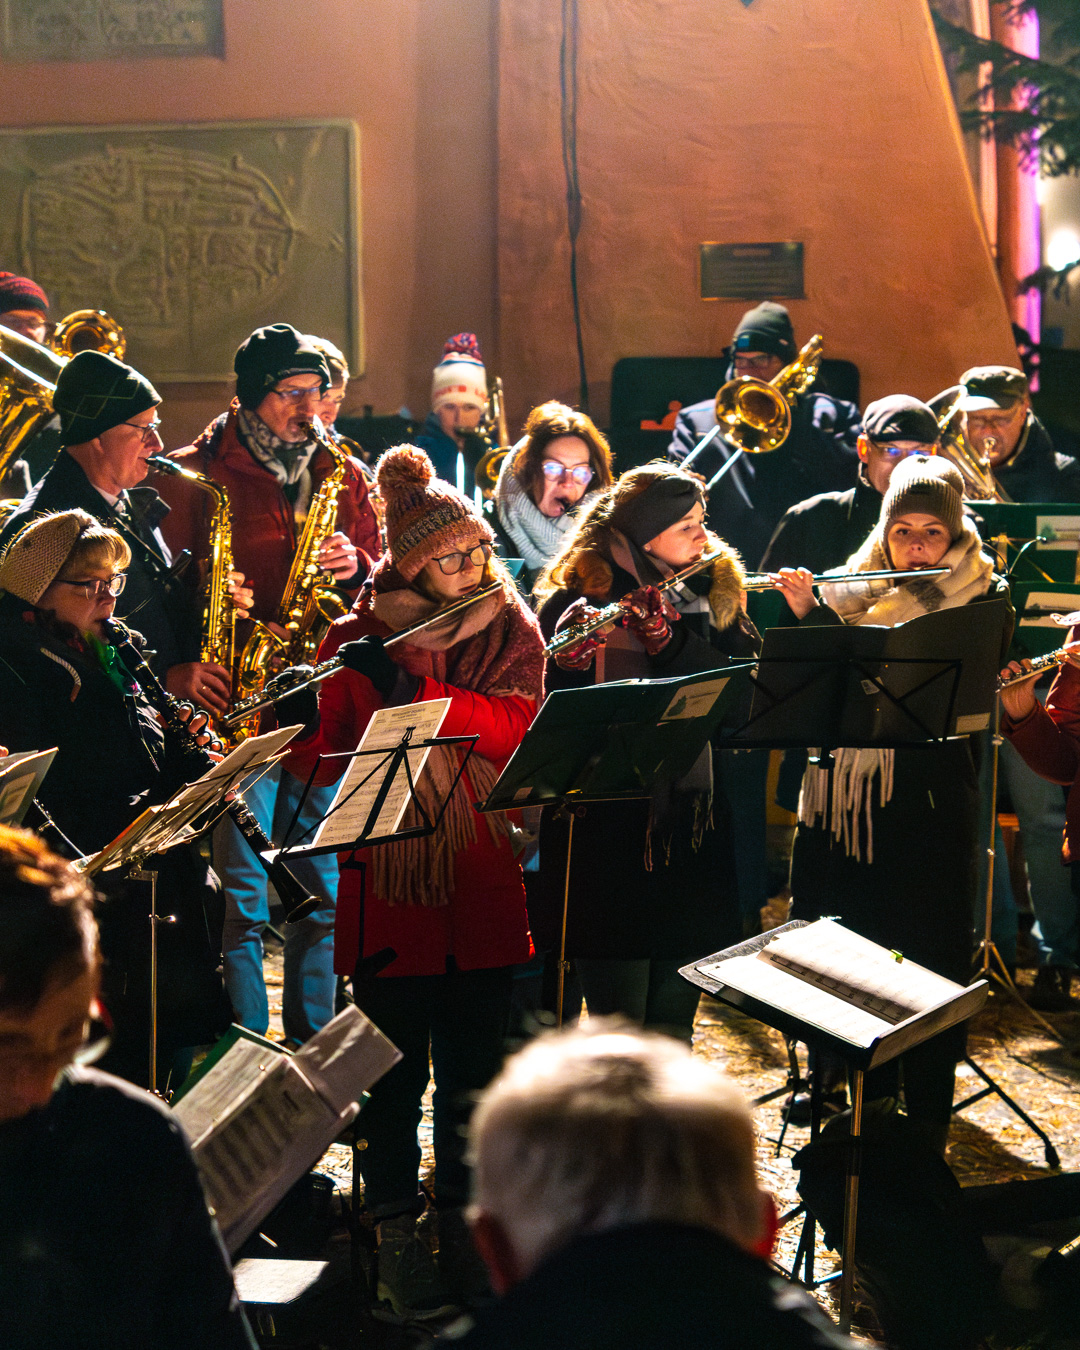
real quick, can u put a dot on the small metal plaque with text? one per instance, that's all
(752, 271)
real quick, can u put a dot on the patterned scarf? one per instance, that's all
(536, 537)
(286, 460)
(493, 648)
(881, 602)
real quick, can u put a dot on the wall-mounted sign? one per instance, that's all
(752, 272)
(97, 30)
(190, 236)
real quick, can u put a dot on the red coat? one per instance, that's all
(485, 924)
(264, 528)
(1049, 741)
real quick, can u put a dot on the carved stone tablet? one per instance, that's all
(93, 30)
(190, 236)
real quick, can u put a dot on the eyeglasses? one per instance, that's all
(148, 431)
(113, 585)
(452, 563)
(555, 472)
(754, 362)
(297, 395)
(898, 451)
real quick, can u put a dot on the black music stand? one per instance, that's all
(707, 974)
(612, 742)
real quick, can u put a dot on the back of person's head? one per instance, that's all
(591, 1129)
(48, 936)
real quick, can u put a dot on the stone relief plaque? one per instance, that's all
(190, 236)
(94, 30)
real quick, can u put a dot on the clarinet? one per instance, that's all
(298, 902)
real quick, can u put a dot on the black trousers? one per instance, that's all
(460, 1019)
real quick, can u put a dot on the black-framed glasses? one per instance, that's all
(296, 395)
(113, 585)
(452, 563)
(554, 472)
(148, 430)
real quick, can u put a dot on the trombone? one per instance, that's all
(755, 415)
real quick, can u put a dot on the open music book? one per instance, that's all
(822, 982)
(260, 1117)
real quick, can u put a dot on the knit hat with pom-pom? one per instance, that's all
(460, 376)
(425, 517)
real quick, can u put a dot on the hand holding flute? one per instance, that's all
(1016, 683)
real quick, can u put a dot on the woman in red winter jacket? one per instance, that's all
(449, 907)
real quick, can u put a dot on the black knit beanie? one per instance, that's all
(271, 354)
(652, 511)
(95, 392)
(766, 329)
(929, 485)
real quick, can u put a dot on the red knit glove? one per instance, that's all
(581, 656)
(649, 618)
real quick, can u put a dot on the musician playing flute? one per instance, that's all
(62, 684)
(652, 882)
(442, 921)
(887, 839)
(264, 454)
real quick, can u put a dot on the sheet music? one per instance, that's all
(345, 823)
(164, 826)
(20, 778)
(789, 994)
(859, 971)
(259, 1118)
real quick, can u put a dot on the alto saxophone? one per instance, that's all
(217, 643)
(308, 605)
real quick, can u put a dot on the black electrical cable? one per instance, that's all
(568, 51)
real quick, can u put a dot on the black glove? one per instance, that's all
(368, 656)
(301, 706)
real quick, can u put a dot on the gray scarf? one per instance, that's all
(536, 537)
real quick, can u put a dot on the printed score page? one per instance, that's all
(858, 970)
(355, 798)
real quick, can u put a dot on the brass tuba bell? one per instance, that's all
(29, 370)
(980, 485)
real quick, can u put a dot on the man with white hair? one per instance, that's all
(616, 1205)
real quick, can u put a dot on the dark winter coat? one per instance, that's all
(105, 1239)
(824, 531)
(686, 904)
(1038, 472)
(163, 607)
(114, 760)
(653, 1286)
(819, 455)
(918, 894)
(442, 450)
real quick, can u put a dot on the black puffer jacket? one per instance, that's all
(1038, 472)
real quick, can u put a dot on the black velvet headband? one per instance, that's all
(664, 501)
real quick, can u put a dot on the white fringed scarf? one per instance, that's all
(878, 602)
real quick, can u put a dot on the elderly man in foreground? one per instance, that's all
(616, 1205)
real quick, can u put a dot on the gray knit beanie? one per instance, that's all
(36, 556)
(927, 484)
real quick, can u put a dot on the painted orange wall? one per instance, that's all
(417, 76)
(826, 121)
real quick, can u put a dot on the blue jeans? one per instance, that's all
(310, 984)
(1040, 810)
